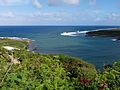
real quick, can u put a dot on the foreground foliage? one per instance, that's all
(40, 72)
(53, 72)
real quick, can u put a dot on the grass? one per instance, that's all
(14, 43)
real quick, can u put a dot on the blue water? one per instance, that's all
(95, 50)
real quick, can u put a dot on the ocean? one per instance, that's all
(48, 40)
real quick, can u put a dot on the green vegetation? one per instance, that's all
(110, 33)
(22, 44)
(26, 70)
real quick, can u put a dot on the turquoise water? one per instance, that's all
(95, 50)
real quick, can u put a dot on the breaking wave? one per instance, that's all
(114, 40)
(77, 33)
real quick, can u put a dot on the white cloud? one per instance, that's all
(37, 4)
(72, 2)
(108, 17)
(49, 15)
(39, 14)
(13, 2)
(92, 2)
(98, 19)
(18, 18)
(114, 16)
(53, 2)
(7, 15)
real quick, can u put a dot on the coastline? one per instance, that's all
(29, 42)
(53, 68)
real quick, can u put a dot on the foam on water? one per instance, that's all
(83, 32)
(114, 40)
(77, 33)
(16, 38)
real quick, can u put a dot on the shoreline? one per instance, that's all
(29, 46)
(17, 38)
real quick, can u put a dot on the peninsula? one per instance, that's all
(107, 33)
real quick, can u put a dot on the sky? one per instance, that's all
(60, 12)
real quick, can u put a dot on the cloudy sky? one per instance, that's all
(59, 12)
